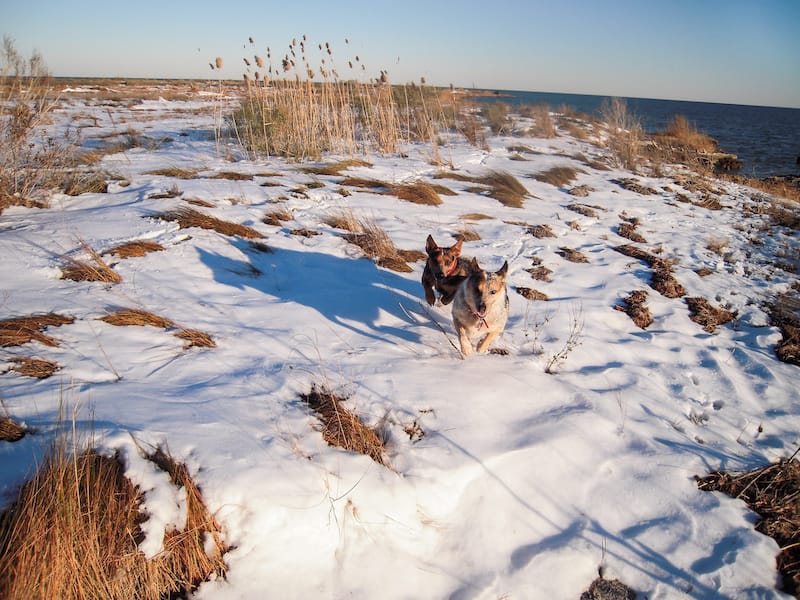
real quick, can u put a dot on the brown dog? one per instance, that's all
(444, 271)
(480, 309)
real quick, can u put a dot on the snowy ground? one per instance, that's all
(516, 483)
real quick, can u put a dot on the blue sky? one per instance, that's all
(735, 51)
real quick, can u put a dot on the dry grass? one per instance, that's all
(10, 431)
(124, 317)
(560, 177)
(232, 176)
(94, 269)
(706, 314)
(276, 217)
(531, 294)
(175, 172)
(772, 492)
(538, 271)
(541, 231)
(608, 589)
(476, 217)
(583, 209)
(467, 233)
(85, 182)
(21, 330)
(341, 427)
(335, 168)
(633, 185)
(663, 281)
(188, 217)
(634, 307)
(572, 255)
(500, 185)
(172, 192)
(418, 193)
(377, 245)
(34, 367)
(135, 249)
(625, 133)
(543, 125)
(74, 529)
(639, 254)
(627, 229)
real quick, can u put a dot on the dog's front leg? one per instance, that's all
(484, 343)
(463, 338)
(427, 283)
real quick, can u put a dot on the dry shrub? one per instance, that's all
(683, 133)
(706, 314)
(85, 182)
(681, 143)
(572, 255)
(541, 231)
(608, 589)
(345, 219)
(772, 492)
(21, 330)
(418, 193)
(625, 133)
(133, 249)
(175, 172)
(74, 529)
(543, 125)
(627, 229)
(34, 367)
(11, 431)
(502, 186)
(632, 185)
(188, 217)
(560, 177)
(634, 307)
(94, 269)
(341, 427)
(531, 294)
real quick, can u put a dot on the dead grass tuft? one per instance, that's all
(276, 217)
(125, 317)
(583, 209)
(467, 233)
(783, 314)
(21, 330)
(94, 269)
(627, 229)
(541, 231)
(335, 168)
(134, 249)
(663, 281)
(476, 217)
(560, 177)
(634, 307)
(572, 255)
(772, 492)
(341, 427)
(188, 217)
(632, 185)
(374, 241)
(708, 315)
(538, 271)
(608, 589)
(194, 338)
(34, 367)
(505, 188)
(74, 529)
(531, 294)
(232, 176)
(85, 182)
(175, 172)
(418, 193)
(11, 431)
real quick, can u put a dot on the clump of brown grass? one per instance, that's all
(538, 271)
(625, 133)
(172, 191)
(467, 233)
(377, 245)
(124, 317)
(21, 330)
(531, 294)
(772, 492)
(85, 182)
(34, 367)
(583, 209)
(541, 231)
(662, 279)
(335, 168)
(500, 185)
(276, 217)
(232, 176)
(188, 217)
(634, 307)
(608, 589)
(175, 172)
(418, 193)
(633, 185)
(572, 255)
(94, 269)
(10, 431)
(560, 177)
(706, 314)
(627, 229)
(135, 249)
(74, 529)
(543, 125)
(341, 427)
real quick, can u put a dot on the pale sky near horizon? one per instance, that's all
(733, 51)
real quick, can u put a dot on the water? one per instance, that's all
(766, 139)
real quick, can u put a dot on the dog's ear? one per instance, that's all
(474, 266)
(430, 245)
(455, 249)
(503, 270)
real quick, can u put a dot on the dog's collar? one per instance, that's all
(453, 270)
(481, 320)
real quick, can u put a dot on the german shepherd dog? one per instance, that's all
(480, 309)
(444, 271)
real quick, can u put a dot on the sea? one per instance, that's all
(765, 139)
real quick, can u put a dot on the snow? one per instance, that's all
(523, 483)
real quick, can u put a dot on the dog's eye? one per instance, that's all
(493, 292)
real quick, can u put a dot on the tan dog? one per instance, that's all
(480, 308)
(444, 271)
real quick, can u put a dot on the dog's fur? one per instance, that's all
(444, 271)
(480, 308)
